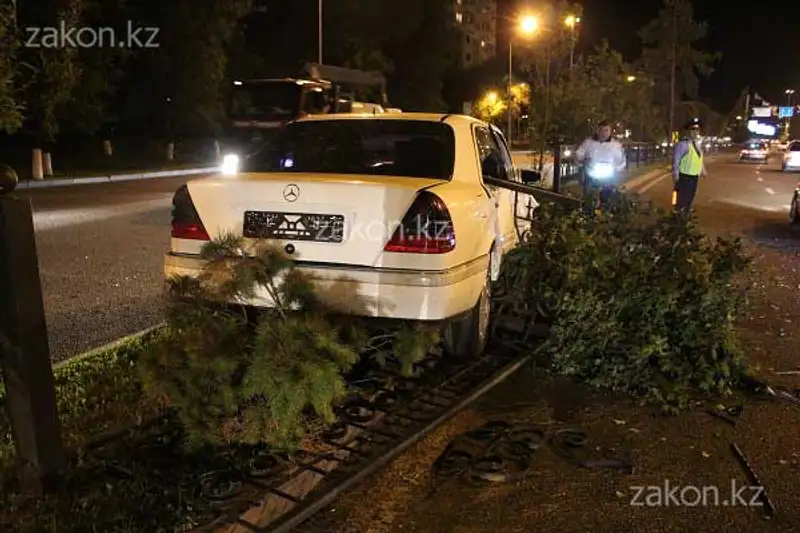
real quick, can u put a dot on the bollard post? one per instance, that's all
(30, 399)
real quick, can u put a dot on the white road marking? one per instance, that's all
(769, 190)
(650, 185)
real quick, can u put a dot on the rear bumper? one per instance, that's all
(375, 292)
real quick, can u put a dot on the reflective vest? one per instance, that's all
(692, 162)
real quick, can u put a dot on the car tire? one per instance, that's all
(794, 210)
(467, 336)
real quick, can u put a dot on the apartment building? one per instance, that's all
(477, 20)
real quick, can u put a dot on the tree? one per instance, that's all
(91, 108)
(180, 83)
(670, 56)
(10, 106)
(56, 72)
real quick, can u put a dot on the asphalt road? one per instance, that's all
(100, 254)
(748, 199)
(101, 246)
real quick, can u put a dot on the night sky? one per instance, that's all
(759, 42)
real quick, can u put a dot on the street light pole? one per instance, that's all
(510, 81)
(319, 31)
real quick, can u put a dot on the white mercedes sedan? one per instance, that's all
(391, 207)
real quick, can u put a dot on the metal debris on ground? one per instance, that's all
(501, 452)
(782, 393)
(763, 497)
(731, 415)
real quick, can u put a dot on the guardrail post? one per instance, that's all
(30, 398)
(557, 157)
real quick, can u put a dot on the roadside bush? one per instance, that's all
(267, 377)
(641, 302)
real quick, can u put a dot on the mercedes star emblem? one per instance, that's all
(291, 193)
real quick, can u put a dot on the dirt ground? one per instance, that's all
(690, 450)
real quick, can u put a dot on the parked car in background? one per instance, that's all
(791, 159)
(392, 207)
(755, 151)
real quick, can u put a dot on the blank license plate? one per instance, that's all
(293, 226)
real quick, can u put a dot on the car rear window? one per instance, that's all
(757, 146)
(377, 147)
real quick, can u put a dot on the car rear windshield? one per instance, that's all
(377, 147)
(265, 101)
(757, 146)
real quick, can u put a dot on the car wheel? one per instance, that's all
(467, 336)
(794, 210)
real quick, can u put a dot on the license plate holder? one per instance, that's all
(311, 227)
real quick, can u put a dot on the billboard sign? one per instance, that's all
(759, 128)
(762, 112)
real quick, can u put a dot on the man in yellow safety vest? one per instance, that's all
(687, 166)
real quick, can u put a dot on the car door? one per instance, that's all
(520, 205)
(492, 165)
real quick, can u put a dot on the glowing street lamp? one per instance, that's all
(528, 24)
(571, 21)
(631, 79)
(492, 97)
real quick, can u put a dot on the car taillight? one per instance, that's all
(186, 223)
(427, 228)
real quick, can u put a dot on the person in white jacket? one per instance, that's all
(601, 148)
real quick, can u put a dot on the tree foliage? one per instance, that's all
(670, 41)
(641, 302)
(10, 105)
(52, 72)
(270, 379)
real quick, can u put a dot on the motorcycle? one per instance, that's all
(602, 176)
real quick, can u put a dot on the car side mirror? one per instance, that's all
(530, 176)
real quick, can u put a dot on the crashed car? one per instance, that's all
(394, 206)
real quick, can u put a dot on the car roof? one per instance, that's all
(422, 117)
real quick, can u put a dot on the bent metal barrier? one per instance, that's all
(391, 415)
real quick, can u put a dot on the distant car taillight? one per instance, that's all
(186, 223)
(427, 228)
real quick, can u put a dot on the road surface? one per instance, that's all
(100, 256)
(101, 246)
(748, 199)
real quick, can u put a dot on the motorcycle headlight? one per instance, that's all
(230, 164)
(601, 170)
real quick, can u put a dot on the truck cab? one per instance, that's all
(258, 108)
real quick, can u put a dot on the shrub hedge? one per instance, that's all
(640, 300)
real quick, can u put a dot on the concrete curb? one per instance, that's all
(116, 343)
(76, 359)
(66, 182)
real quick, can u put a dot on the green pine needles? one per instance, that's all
(267, 377)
